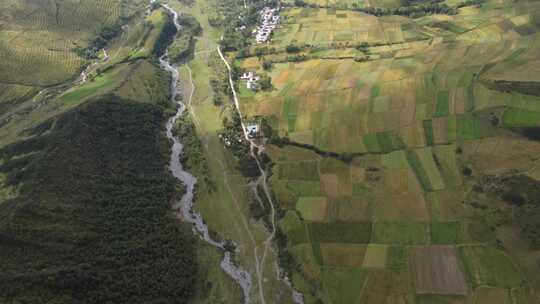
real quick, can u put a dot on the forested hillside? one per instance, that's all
(85, 188)
(92, 221)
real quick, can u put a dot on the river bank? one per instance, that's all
(185, 205)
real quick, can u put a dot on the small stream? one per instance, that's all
(185, 205)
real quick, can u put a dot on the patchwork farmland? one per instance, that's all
(398, 149)
(385, 126)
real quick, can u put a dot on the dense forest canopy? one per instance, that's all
(92, 222)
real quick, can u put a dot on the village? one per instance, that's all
(269, 20)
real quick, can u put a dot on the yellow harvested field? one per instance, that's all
(375, 256)
(312, 208)
(343, 255)
(330, 184)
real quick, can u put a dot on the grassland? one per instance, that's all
(139, 79)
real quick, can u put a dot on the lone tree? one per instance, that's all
(267, 65)
(291, 48)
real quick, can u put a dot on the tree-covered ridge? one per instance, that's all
(92, 222)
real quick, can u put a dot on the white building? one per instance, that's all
(251, 80)
(252, 129)
(247, 75)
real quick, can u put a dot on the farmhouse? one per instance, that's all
(252, 129)
(251, 80)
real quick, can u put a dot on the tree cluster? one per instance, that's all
(105, 35)
(183, 46)
(410, 8)
(193, 157)
(166, 37)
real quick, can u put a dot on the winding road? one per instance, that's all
(297, 297)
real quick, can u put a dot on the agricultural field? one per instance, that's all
(437, 271)
(324, 28)
(138, 78)
(347, 4)
(39, 39)
(405, 95)
(386, 127)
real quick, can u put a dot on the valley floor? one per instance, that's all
(400, 146)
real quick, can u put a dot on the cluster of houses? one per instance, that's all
(228, 140)
(269, 20)
(251, 80)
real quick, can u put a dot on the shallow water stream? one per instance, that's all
(185, 205)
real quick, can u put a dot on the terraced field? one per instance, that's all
(136, 78)
(391, 123)
(38, 39)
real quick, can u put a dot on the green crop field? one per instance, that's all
(400, 233)
(312, 208)
(491, 267)
(446, 232)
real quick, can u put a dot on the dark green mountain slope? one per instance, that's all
(92, 222)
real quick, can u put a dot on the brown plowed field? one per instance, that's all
(437, 271)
